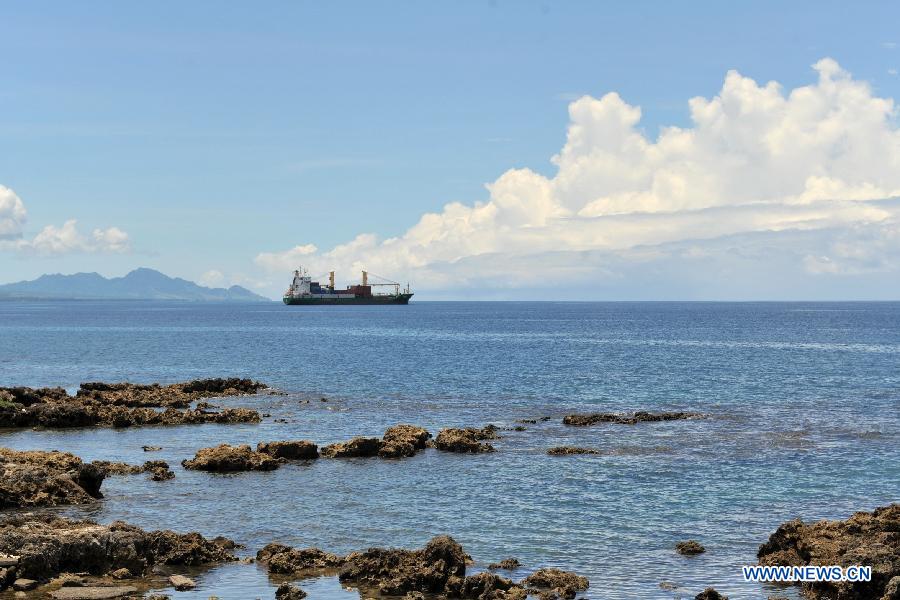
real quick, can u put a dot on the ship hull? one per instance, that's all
(320, 301)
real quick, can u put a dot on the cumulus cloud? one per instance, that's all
(823, 159)
(52, 240)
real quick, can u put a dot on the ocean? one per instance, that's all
(803, 402)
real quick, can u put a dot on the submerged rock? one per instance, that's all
(689, 547)
(286, 591)
(286, 560)
(507, 564)
(628, 419)
(466, 440)
(47, 546)
(95, 593)
(710, 594)
(294, 450)
(182, 583)
(227, 459)
(396, 572)
(38, 478)
(565, 450)
(866, 538)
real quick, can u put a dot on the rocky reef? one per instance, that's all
(225, 458)
(689, 548)
(439, 568)
(292, 450)
(37, 478)
(124, 404)
(866, 538)
(641, 416)
(566, 450)
(467, 440)
(39, 548)
(157, 469)
(398, 441)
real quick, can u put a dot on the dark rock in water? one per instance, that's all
(628, 419)
(47, 546)
(866, 538)
(286, 560)
(122, 404)
(151, 448)
(689, 547)
(37, 478)
(295, 450)
(357, 447)
(403, 441)
(564, 450)
(488, 586)
(710, 594)
(286, 591)
(396, 572)
(158, 469)
(227, 459)
(563, 583)
(507, 564)
(466, 440)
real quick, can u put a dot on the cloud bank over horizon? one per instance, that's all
(52, 240)
(766, 190)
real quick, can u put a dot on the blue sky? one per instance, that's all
(211, 133)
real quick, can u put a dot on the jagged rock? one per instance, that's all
(466, 440)
(357, 447)
(710, 594)
(640, 416)
(507, 564)
(182, 583)
(396, 572)
(284, 559)
(38, 478)
(689, 547)
(295, 450)
(122, 404)
(24, 585)
(122, 573)
(866, 538)
(286, 591)
(563, 583)
(564, 450)
(151, 448)
(892, 589)
(486, 586)
(226, 459)
(417, 437)
(48, 546)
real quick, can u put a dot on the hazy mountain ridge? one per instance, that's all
(140, 284)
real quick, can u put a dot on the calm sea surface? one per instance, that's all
(804, 398)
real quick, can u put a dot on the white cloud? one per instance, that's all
(12, 214)
(52, 240)
(212, 278)
(755, 161)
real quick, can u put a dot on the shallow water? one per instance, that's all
(804, 402)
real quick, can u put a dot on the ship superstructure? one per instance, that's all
(303, 290)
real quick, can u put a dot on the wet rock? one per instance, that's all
(37, 478)
(866, 538)
(122, 573)
(161, 474)
(228, 459)
(96, 593)
(48, 546)
(466, 440)
(357, 447)
(563, 583)
(24, 585)
(295, 450)
(397, 572)
(158, 469)
(892, 589)
(689, 548)
(402, 441)
(486, 586)
(286, 560)
(710, 594)
(68, 580)
(628, 418)
(151, 448)
(565, 450)
(176, 394)
(182, 583)
(286, 591)
(158, 597)
(507, 564)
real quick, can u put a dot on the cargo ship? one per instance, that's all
(304, 290)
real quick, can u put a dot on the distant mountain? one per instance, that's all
(140, 284)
